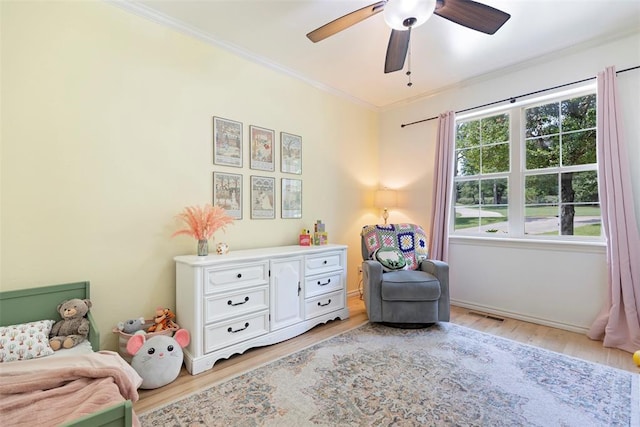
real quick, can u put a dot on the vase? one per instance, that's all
(203, 247)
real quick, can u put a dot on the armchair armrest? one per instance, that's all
(440, 269)
(371, 286)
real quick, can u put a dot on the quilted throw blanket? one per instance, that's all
(410, 239)
(50, 391)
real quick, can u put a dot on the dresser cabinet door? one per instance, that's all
(287, 296)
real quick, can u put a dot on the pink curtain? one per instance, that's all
(442, 179)
(618, 325)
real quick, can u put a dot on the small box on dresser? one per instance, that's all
(256, 297)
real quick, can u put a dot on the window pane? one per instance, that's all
(467, 193)
(579, 148)
(495, 129)
(579, 113)
(494, 219)
(580, 220)
(577, 187)
(543, 152)
(467, 219)
(466, 205)
(468, 134)
(541, 219)
(542, 120)
(539, 189)
(494, 191)
(584, 186)
(468, 162)
(495, 158)
(587, 220)
(494, 216)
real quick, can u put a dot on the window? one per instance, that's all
(530, 170)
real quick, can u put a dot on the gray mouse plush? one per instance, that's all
(132, 326)
(158, 359)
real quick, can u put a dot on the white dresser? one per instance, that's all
(250, 298)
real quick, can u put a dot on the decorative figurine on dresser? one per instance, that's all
(256, 297)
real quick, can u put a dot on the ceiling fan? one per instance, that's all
(403, 15)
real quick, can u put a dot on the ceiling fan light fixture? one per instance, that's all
(404, 14)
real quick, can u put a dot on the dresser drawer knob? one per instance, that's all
(324, 284)
(233, 304)
(239, 276)
(324, 262)
(246, 325)
(324, 305)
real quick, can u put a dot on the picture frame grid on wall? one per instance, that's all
(261, 142)
(291, 198)
(227, 142)
(227, 193)
(290, 153)
(263, 197)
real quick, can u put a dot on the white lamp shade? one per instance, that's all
(396, 11)
(385, 199)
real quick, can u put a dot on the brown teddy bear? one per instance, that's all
(74, 326)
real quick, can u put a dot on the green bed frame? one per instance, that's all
(27, 305)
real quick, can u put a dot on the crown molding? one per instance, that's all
(159, 18)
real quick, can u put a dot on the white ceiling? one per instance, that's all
(273, 32)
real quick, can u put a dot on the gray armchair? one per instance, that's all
(415, 296)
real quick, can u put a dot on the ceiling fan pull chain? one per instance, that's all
(409, 61)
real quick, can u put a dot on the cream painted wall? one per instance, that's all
(107, 135)
(553, 284)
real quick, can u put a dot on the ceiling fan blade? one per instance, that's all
(471, 14)
(345, 21)
(397, 50)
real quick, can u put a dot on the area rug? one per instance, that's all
(446, 375)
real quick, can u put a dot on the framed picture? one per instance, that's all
(261, 141)
(291, 196)
(227, 193)
(291, 153)
(227, 142)
(263, 197)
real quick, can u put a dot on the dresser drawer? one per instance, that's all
(224, 334)
(322, 284)
(318, 264)
(228, 305)
(326, 303)
(231, 277)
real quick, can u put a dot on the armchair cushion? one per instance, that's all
(410, 239)
(410, 286)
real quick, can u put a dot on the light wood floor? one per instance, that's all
(570, 343)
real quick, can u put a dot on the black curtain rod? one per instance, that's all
(513, 98)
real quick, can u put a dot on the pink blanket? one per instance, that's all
(51, 390)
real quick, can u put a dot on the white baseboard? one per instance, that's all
(512, 315)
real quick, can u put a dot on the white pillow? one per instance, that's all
(390, 258)
(25, 341)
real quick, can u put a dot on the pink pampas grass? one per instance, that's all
(203, 221)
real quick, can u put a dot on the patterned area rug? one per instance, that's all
(446, 375)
